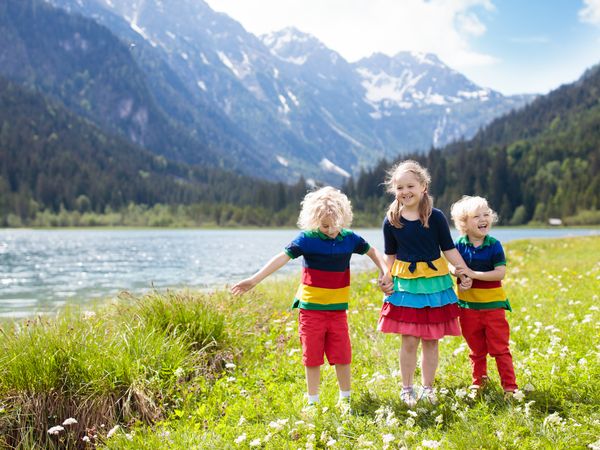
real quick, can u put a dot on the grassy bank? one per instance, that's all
(212, 371)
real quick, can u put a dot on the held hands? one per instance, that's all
(242, 286)
(386, 284)
(465, 283)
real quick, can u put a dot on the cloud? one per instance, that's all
(591, 12)
(358, 28)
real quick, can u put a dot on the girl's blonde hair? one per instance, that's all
(394, 211)
(466, 207)
(325, 203)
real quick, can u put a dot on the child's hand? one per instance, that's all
(464, 271)
(465, 283)
(386, 284)
(242, 286)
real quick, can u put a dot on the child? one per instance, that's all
(324, 291)
(482, 317)
(422, 305)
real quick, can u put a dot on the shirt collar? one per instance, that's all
(343, 232)
(487, 241)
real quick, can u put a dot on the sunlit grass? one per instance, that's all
(249, 392)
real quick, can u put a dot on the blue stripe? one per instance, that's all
(422, 300)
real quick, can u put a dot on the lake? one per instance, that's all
(42, 270)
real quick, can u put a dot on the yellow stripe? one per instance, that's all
(482, 295)
(400, 269)
(323, 296)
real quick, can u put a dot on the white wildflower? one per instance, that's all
(409, 422)
(387, 438)
(241, 438)
(254, 443)
(461, 393)
(519, 395)
(112, 431)
(431, 444)
(553, 419)
(594, 445)
(242, 421)
(440, 419)
(55, 430)
(582, 362)
(331, 442)
(231, 379)
(179, 372)
(410, 412)
(230, 366)
(528, 387)
(85, 439)
(69, 421)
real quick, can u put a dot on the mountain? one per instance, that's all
(539, 162)
(300, 108)
(51, 159)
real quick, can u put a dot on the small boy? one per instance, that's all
(482, 307)
(322, 297)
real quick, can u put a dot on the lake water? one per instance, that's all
(42, 270)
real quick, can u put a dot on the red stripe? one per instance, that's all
(420, 315)
(325, 279)
(480, 284)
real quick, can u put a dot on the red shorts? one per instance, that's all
(324, 333)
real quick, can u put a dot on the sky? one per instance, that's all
(511, 46)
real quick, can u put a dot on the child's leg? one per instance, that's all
(498, 334)
(473, 330)
(313, 379)
(430, 361)
(343, 376)
(408, 359)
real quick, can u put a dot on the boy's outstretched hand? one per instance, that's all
(242, 286)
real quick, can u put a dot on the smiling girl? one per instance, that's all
(421, 304)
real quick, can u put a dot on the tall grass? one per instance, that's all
(114, 366)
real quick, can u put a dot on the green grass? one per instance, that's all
(240, 382)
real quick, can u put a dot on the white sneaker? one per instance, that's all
(428, 394)
(408, 396)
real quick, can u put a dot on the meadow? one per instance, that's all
(179, 370)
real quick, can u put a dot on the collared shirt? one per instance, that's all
(484, 258)
(325, 281)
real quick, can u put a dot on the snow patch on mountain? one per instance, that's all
(326, 164)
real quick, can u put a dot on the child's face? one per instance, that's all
(479, 223)
(409, 190)
(328, 227)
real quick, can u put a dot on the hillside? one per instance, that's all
(51, 160)
(539, 162)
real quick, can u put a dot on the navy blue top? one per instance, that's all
(413, 242)
(323, 253)
(484, 258)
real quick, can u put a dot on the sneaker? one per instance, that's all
(428, 394)
(482, 383)
(344, 406)
(408, 396)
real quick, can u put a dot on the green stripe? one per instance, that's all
(319, 307)
(423, 285)
(503, 304)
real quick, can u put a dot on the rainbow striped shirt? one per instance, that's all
(483, 294)
(325, 281)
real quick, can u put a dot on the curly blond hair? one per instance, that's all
(394, 211)
(325, 203)
(466, 207)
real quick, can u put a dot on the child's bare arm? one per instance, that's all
(492, 275)
(274, 264)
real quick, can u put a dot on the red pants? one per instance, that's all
(486, 332)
